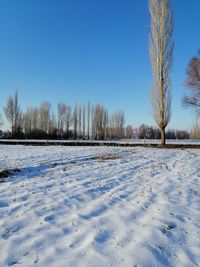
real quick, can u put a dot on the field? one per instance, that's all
(99, 206)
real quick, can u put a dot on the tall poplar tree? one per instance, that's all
(161, 54)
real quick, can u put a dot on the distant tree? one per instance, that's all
(129, 134)
(147, 132)
(44, 116)
(161, 53)
(84, 121)
(99, 122)
(53, 126)
(1, 121)
(182, 135)
(79, 121)
(195, 131)
(30, 120)
(75, 120)
(9, 111)
(142, 131)
(193, 83)
(35, 118)
(171, 134)
(12, 112)
(65, 119)
(27, 122)
(17, 112)
(156, 133)
(119, 121)
(88, 120)
(68, 119)
(150, 132)
(61, 118)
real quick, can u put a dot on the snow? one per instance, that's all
(100, 206)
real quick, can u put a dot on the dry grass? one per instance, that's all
(4, 173)
(104, 157)
(7, 173)
(72, 161)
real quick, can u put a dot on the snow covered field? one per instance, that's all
(100, 206)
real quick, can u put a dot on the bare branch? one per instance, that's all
(193, 83)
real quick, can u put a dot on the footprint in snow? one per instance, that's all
(24, 198)
(12, 230)
(168, 227)
(3, 204)
(50, 218)
(180, 218)
(94, 213)
(102, 236)
(13, 262)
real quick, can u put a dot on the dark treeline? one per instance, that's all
(87, 122)
(149, 132)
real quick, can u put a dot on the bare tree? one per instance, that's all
(120, 121)
(79, 121)
(142, 131)
(75, 120)
(17, 112)
(12, 112)
(99, 122)
(195, 131)
(52, 126)
(9, 112)
(1, 121)
(27, 122)
(34, 117)
(129, 132)
(161, 54)
(116, 125)
(44, 116)
(88, 120)
(61, 118)
(193, 83)
(65, 118)
(30, 120)
(84, 120)
(68, 119)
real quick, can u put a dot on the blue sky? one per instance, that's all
(91, 50)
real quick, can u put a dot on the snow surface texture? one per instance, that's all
(100, 206)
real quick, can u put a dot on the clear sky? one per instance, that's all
(91, 50)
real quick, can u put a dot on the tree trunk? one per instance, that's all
(162, 132)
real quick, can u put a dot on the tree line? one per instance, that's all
(89, 122)
(82, 122)
(149, 132)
